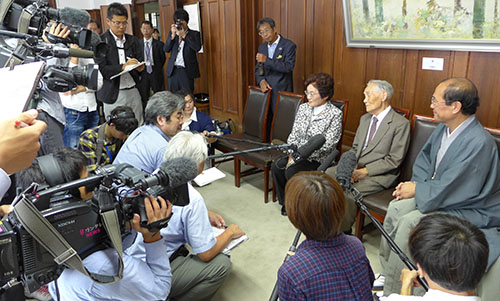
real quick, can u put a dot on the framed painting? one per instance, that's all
(459, 25)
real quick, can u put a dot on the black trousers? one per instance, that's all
(150, 81)
(179, 80)
(282, 175)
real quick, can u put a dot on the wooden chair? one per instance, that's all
(286, 107)
(343, 105)
(254, 123)
(377, 203)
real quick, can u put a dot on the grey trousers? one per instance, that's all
(131, 98)
(401, 217)
(194, 279)
(366, 186)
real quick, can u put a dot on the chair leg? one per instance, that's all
(237, 171)
(360, 222)
(266, 184)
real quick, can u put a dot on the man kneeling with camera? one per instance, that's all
(142, 280)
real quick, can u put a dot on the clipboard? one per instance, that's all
(18, 85)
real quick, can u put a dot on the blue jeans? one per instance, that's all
(76, 123)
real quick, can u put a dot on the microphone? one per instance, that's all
(97, 45)
(72, 16)
(172, 173)
(328, 161)
(61, 51)
(313, 144)
(345, 168)
(260, 69)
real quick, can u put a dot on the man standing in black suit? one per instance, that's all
(123, 50)
(183, 44)
(275, 61)
(154, 59)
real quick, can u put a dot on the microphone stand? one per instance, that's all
(236, 139)
(358, 198)
(253, 150)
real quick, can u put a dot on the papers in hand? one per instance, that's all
(128, 68)
(233, 243)
(208, 176)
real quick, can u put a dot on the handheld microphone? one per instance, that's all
(313, 144)
(61, 51)
(328, 161)
(345, 168)
(260, 69)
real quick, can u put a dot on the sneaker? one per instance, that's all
(41, 294)
(378, 284)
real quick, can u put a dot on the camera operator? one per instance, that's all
(142, 280)
(80, 106)
(183, 44)
(194, 276)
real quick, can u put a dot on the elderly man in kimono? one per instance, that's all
(456, 172)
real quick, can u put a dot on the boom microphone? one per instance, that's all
(345, 168)
(315, 143)
(328, 160)
(73, 16)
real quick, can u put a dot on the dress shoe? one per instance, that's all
(283, 211)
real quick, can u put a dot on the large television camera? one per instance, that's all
(25, 253)
(24, 22)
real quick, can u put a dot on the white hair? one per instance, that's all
(383, 85)
(187, 145)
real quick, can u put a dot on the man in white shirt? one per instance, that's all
(451, 255)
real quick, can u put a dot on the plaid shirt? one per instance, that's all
(88, 146)
(337, 269)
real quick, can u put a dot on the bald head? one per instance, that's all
(463, 91)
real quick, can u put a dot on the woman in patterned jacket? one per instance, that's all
(317, 116)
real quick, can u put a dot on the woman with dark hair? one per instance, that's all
(317, 116)
(327, 265)
(194, 120)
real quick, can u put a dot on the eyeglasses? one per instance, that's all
(263, 32)
(118, 23)
(307, 93)
(434, 101)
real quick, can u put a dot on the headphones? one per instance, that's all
(121, 115)
(51, 169)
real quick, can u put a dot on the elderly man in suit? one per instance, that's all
(154, 59)
(275, 61)
(183, 43)
(380, 145)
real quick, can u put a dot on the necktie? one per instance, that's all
(149, 68)
(373, 128)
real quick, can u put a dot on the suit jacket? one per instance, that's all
(278, 71)
(192, 44)
(110, 65)
(158, 60)
(385, 153)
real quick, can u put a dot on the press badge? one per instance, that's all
(121, 55)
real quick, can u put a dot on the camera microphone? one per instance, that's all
(172, 173)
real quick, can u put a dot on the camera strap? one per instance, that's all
(64, 254)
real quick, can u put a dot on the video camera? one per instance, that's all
(27, 256)
(33, 16)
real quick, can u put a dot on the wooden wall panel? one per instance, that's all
(167, 9)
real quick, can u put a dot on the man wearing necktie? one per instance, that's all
(154, 59)
(183, 45)
(380, 145)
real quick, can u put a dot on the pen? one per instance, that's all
(20, 124)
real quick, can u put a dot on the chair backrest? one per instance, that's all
(496, 136)
(256, 110)
(343, 105)
(403, 112)
(422, 128)
(287, 105)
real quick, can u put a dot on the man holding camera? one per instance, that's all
(142, 280)
(183, 44)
